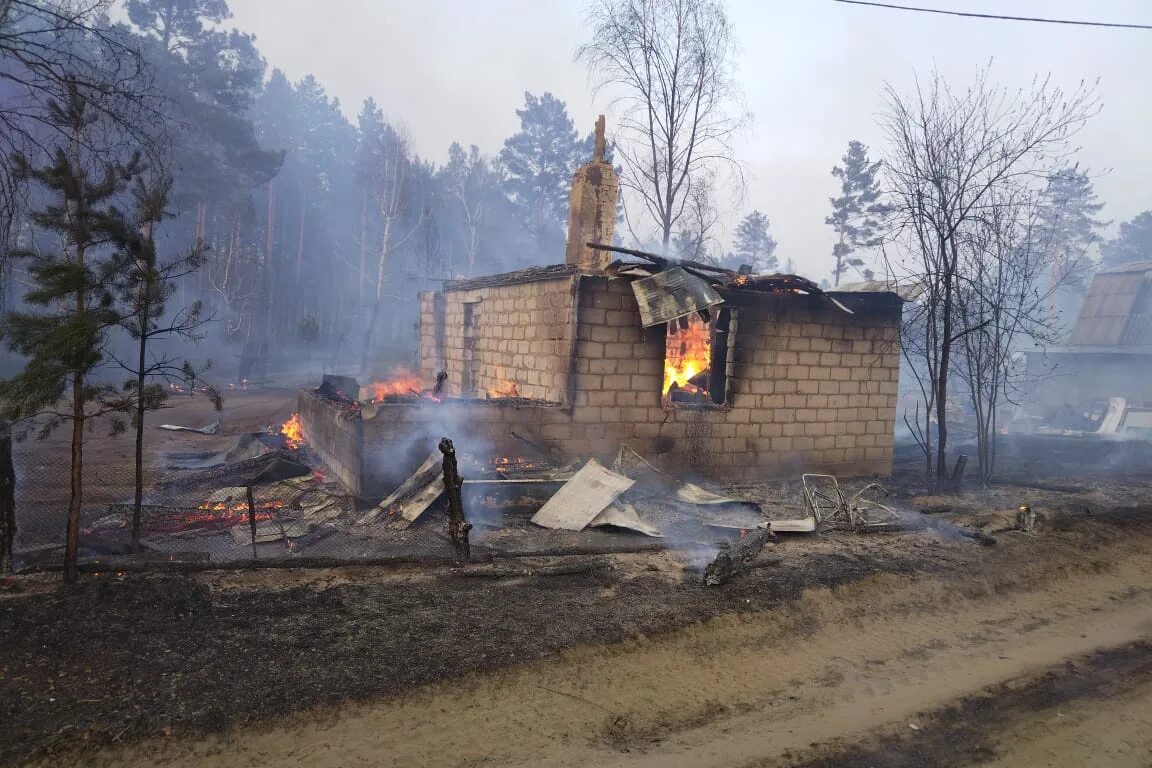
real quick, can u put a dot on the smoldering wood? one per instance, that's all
(737, 558)
(458, 525)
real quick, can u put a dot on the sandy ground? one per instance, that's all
(802, 685)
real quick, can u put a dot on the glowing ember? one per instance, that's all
(293, 432)
(503, 389)
(688, 354)
(403, 382)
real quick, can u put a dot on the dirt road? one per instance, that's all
(888, 670)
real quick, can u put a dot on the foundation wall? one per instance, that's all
(337, 439)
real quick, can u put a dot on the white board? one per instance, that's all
(582, 498)
(621, 515)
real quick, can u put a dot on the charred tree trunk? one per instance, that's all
(7, 501)
(141, 363)
(76, 491)
(458, 525)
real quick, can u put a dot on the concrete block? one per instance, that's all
(604, 333)
(820, 345)
(589, 415)
(602, 397)
(781, 444)
(603, 365)
(810, 358)
(593, 316)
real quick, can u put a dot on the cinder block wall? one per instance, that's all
(811, 388)
(335, 437)
(523, 335)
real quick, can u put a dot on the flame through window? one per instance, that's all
(695, 359)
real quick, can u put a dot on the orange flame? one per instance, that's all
(503, 389)
(293, 432)
(688, 354)
(403, 382)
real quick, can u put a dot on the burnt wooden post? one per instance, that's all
(458, 525)
(958, 473)
(7, 501)
(252, 520)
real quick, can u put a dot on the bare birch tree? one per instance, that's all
(954, 158)
(386, 175)
(670, 62)
(1004, 296)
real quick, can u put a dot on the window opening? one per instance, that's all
(470, 372)
(696, 358)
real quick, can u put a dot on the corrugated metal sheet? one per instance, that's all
(1132, 266)
(1116, 312)
(671, 294)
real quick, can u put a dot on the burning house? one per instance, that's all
(700, 369)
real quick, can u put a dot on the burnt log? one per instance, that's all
(458, 525)
(738, 557)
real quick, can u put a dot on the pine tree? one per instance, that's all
(64, 335)
(539, 161)
(754, 245)
(1134, 243)
(857, 212)
(1065, 225)
(144, 285)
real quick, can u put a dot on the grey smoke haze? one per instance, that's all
(812, 72)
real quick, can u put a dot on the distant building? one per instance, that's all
(1109, 352)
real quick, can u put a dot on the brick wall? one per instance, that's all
(811, 388)
(522, 335)
(337, 439)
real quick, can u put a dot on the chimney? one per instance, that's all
(592, 209)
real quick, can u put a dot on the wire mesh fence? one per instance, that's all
(267, 506)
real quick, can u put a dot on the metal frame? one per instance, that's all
(831, 510)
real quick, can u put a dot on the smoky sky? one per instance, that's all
(812, 72)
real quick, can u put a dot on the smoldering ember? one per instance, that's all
(321, 447)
